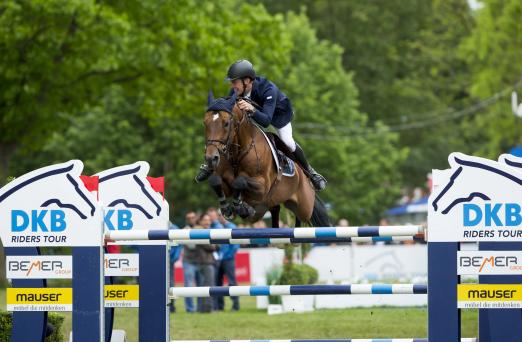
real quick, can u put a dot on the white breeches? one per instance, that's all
(285, 133)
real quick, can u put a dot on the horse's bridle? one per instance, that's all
(223, 145)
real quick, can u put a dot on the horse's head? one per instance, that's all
(222, 121)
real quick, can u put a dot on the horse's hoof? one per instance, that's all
(227, 212)
(245, 211)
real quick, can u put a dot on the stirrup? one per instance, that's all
(203, 174)
(318, 181)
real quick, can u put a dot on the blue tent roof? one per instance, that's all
(419, 206)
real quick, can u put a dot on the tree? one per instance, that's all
(173, 55)
(404, 56)
(493, 53)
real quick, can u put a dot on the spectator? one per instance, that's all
(189, 262)
(226, 266)
(205, 266)
(343, 223)
(174, 254)
(214, 218)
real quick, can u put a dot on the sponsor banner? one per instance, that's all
(122, 296)
(39, 267)
(122, 265)
(489, 262)
(39, 299)
(476, 199)
(50, 207)
(489, 296)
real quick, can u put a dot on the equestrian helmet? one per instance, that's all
(241, 69)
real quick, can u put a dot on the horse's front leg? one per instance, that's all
(216, 183)
(241, 208)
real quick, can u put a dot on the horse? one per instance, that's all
(245, 170)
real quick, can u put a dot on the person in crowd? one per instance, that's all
(205, 268)
(189, 262)
(174, 254)
(226, 266)
(214, 218)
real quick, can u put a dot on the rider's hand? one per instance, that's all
(245, 106)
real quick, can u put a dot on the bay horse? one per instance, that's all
(245, 171)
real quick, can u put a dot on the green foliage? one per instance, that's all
(298, 274)
(406, 66)
(494, 54)
(115, 82)
(56, 320)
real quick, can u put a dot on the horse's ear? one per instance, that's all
(210, 97)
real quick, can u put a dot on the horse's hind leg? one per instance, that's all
(297, 222)
(216, 184)
(274, 212)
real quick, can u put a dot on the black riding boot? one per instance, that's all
(318, 181)
(204, 173)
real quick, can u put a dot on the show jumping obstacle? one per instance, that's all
(265, 233)
(78, 221)
(296, 290)
(351, 340)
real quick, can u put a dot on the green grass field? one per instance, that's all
(250, 323)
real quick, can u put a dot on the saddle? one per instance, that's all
(283, 157)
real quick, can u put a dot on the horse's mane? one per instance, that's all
(223, 104)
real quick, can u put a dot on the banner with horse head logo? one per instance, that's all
(476, 199)
(50, 207)
(129, 200)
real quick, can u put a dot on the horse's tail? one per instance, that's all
(319, 214)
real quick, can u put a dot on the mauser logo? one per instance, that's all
(121, 295)
(37, 267)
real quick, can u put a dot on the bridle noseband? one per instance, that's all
(224, 145)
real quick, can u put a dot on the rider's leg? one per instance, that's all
(285, 133)
(204, 172)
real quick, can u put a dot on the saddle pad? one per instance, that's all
(272, 147)
(287, 164)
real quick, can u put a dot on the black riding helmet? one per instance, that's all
(241, 69)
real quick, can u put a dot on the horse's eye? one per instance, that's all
(226, 124)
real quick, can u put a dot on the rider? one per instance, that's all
(276, 110)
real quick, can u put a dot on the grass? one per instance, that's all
(251, 323)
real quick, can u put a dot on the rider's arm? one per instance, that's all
(264, 116)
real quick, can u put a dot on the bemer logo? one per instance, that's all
(39, 265)
(492, 261)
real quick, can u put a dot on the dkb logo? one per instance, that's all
(491, 214)
(43, 220)
(123, 219)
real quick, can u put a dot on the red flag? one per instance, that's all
(158, 184)
(90, 182)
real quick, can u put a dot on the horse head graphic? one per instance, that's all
(55, 186)
(50, 207)
(474, 179)
(127, 187)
